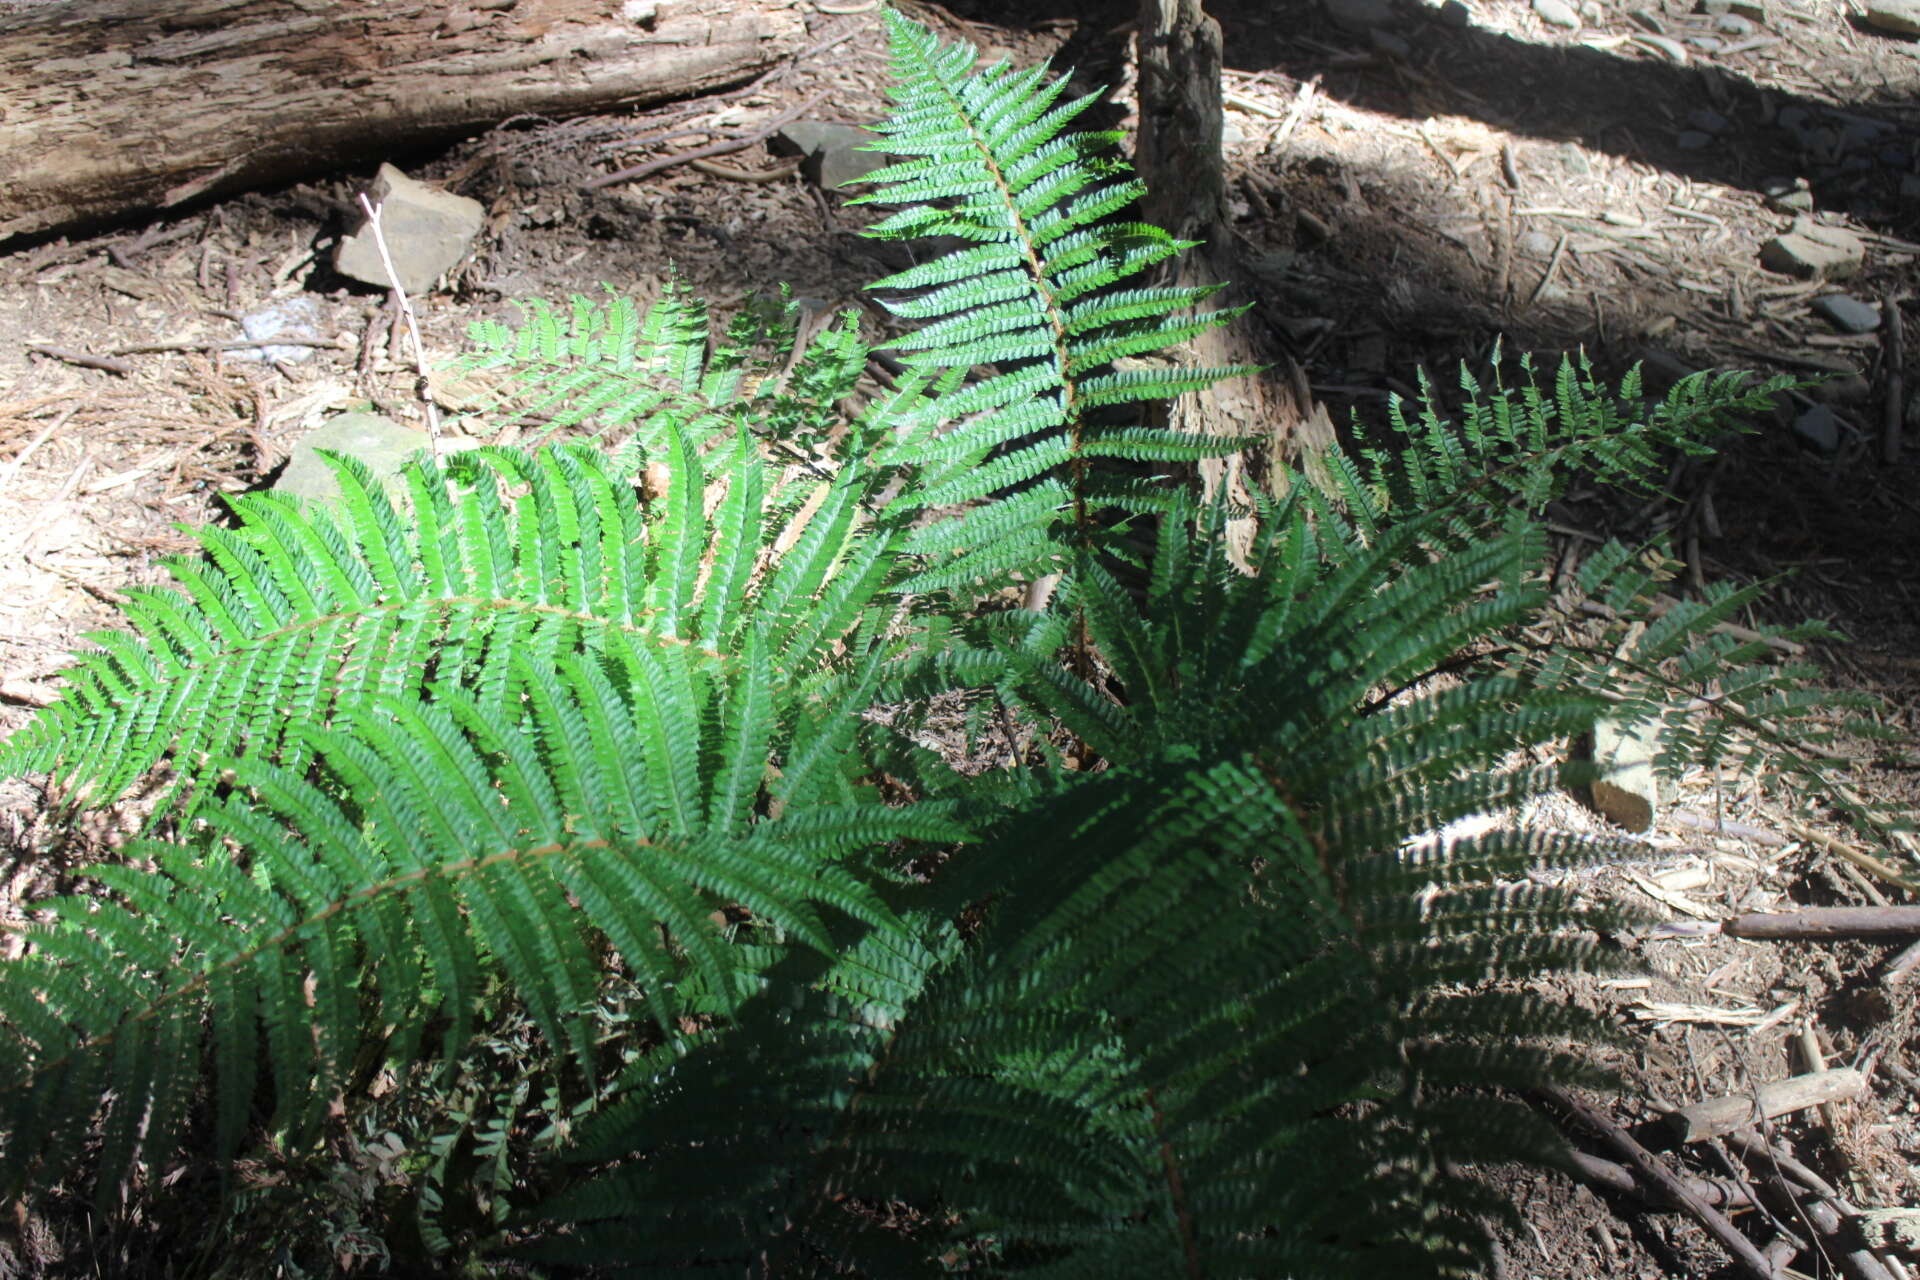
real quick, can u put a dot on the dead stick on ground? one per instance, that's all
(1893, 422)
(1748, 1259)
(1825, 922)
(1840, 849)
(424, 390)
(85, 359)
(1717, 1117)
(707, 152)
(238, 344)
(1732, 830)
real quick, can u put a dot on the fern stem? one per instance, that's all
(1176, 1190)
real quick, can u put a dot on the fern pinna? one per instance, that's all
(582, 738)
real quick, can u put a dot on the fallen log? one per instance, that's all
(111, 107)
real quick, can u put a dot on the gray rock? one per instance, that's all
(1707, 120)
(1390, 44)
(1901, 17)
(1732, 24)
(1819, 429)
(427, 230)
(1790, 194)
(1848, 388)
(1705, 44)
(296, 316)
(1454, 13)
(1814, 252)
(1557, 13)
(380, 443)
(1231, 134)
(1849, 315)
(1360, 15)
(1626, 793)
(1752, 10)
(1537, 243)
(828, 152)
(1693, 140)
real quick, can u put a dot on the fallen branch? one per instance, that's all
(85, 359)
(1825, 922)
(1751, 1262)
(1718, 1117)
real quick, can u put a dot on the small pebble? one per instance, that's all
(1537, 243)
(1819, 429)
(1706, 44)
(1847, 314)
(1231, 134)
(1707, 120)
(1732, 24)
(1693, 140)
(1557, 13)
(1456, 14)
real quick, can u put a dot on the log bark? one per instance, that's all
(1178, 155)
(109, 107)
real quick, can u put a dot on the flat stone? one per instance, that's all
(1847, 314)
(1732, 24)
(1454, 13)
(1814, 252)
(382, 444)
(1707, 120)
(1360, 15)
(427, 230)
(1848, 388)
(1752, 10)
(829, 152)
(1557, 13)
(1706, 44)
(1901, 17)
(1819, 429)
(1537, 243)
(294, 317)
(1626, 793)
(1693, 140)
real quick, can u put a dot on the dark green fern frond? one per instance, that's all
(606, 367)
(1037, 301)
(441, 849)
(299, 615)
(1242, 947)
(1521, 447)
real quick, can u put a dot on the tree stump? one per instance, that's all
(1178, 155)
(109, 107)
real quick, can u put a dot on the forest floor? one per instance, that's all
(1402, 194)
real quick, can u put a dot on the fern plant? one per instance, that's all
(583, 737)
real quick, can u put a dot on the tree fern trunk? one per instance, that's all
(1179, 155)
